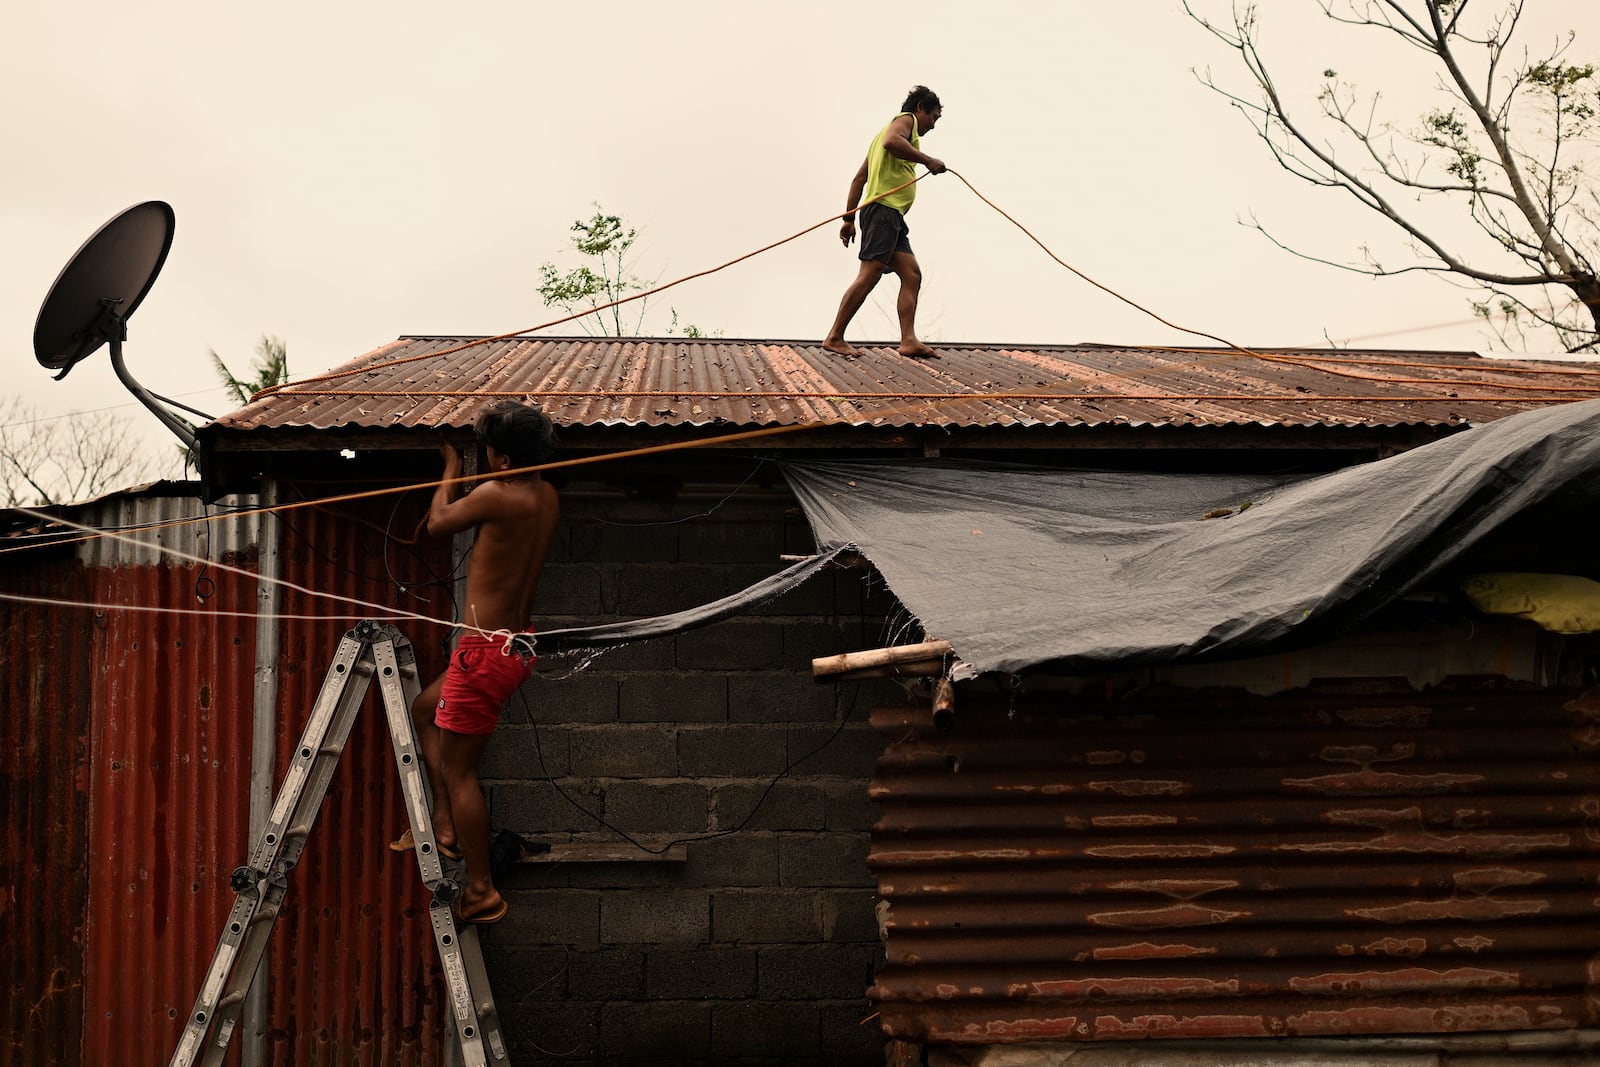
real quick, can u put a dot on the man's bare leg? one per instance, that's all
(429, 740)
(461, 753)
(905, 265)
(856, 295)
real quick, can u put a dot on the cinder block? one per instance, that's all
(657, 654)
(535, 808)
(700, 974)
(647, 807)
(848, 806)
(766, 916)
(742, 859)
(767, 1032)
(576, 589)
(661, 917)
(611, 974)
(619, 751)
(674, 697)
(850, 1034)
(618, 543)
(853, 753)
(784, 805)
(848, 916)
(816, 972)
(535, 1028)
(727, 542)
(824, 860)
(806, 640)
(736, 645)
(731, 751)
(519, 971)
(519, 752)
(551, 917)
(780, 696)
(550, 699)
(662, 588)
(668, 1032)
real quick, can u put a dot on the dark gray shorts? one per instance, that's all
(883, 233)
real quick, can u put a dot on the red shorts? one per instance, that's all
(480, 679)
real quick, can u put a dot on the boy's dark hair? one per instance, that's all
(923, 97)
(519, 431)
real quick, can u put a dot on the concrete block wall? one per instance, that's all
(757, 945)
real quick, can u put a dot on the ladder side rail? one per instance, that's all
(335, 690)
(397, 679)
(252, 950)
(483, 999)
(466, 979)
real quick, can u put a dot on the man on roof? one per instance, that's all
(891, 161)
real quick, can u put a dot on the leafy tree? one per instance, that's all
(270, 368)
(606, 241)
(62, 459)
(1512, 146)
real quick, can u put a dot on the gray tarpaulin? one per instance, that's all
(612, 635)
(1018, 566)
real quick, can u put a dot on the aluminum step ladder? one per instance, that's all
(369, 649)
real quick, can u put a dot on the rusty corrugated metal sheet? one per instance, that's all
(44, 693)
(169, 748)
(355, 975)
(442, 381)
(126, 786)
(1196, 866)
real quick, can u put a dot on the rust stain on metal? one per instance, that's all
(1105, 759)
(1177, 888)
(1173, 915)
(1146, 950)
(1384, 983)
(1367, 782)
(1172, 851)
(1410, 947)
(1133, 820)
(1478, 910)
(1136, 787)
(1160, 988)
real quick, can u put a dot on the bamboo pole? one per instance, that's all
(927, 658)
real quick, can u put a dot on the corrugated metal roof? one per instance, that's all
(443, 381)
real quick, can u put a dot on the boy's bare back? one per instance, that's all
(515, 519)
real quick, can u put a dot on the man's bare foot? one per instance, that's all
(916, 350)
(482, 911)
(841, 347)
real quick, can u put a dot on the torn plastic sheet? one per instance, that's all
(1022, 566)
(611, 635)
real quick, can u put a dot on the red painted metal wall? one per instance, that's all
(1194, 865)
(169, 747)
(44, 713)
(126, 770)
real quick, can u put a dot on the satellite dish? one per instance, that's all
(99, 289)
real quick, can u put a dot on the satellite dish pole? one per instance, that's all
(98, 291)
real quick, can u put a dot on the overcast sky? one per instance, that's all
(344, 173)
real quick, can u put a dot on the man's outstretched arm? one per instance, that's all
(897, 142)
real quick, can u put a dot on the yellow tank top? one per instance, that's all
(885, 171)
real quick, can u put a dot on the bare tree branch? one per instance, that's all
(1515, 137)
